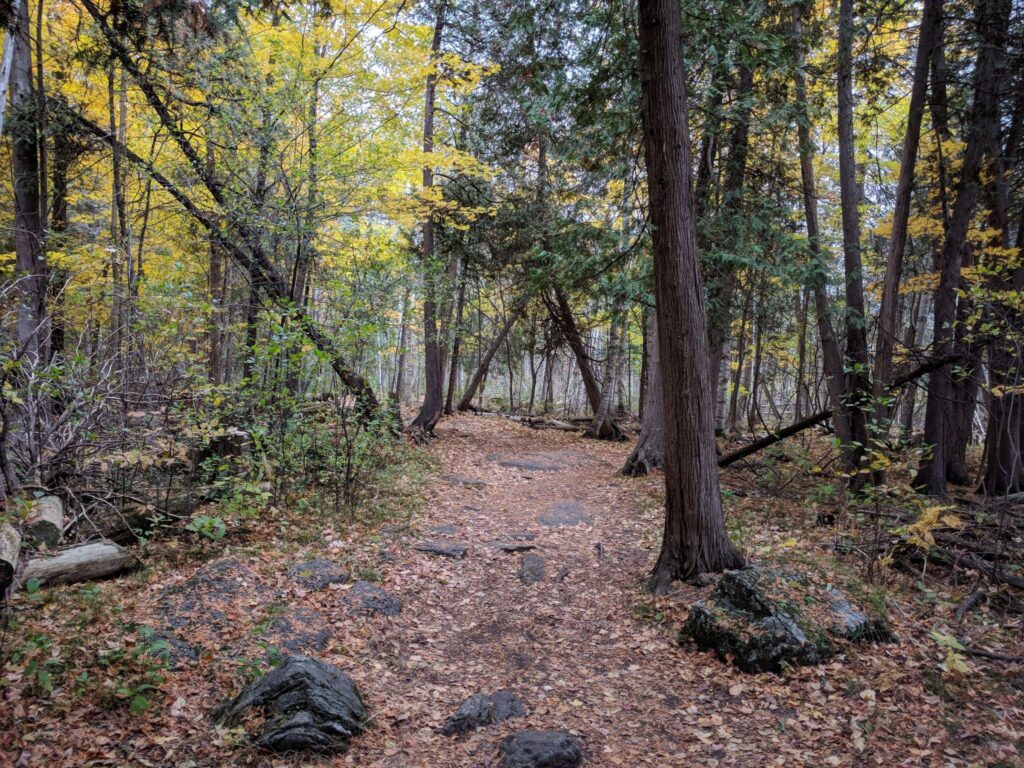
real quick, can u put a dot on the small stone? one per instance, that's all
(521, 536)
(532, 569)
(540, 749)
(480, 710)
(317, 573)
(309, 706)
(565, 514)
(367, 598)
(441, 549)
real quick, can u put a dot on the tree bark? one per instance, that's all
(835, 379)
(433, 396)
(991, 18)
(86, 562)
(858, 384)
(30, 265)
(649, 452)
(928, 38)
(695, 540)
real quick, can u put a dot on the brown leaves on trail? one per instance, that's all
(584, 648)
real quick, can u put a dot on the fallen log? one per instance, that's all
(86, 562)
(10, 544)
(45, 522)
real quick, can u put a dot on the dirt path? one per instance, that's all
(582, 647)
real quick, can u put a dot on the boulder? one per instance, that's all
(764, 621)
(308, 705)
(317, 573)
(441, 549)
(369, 599)
(540, 749)
(480, 710)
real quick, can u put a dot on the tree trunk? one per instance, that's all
(467, 397)
(30, 264)
(991, 19)
(835, 378)
(456, 346)
(611, 364)
(433, 397)
(723, 286)
(695, 540)
(561, 313)
(858, 384)
(649, 453)
(928, 38)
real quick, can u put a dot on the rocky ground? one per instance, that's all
(520, 573)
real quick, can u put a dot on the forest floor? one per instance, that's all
(585, 648)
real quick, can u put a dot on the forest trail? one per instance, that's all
(583, 647)
(582, 644)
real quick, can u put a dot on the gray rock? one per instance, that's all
(317, 573)
(444, 530)
(369, 599)
(441, 549)
(530, 462)
(513, 546)
(521, 536)
(565, 514)
(761, 632)
(532, 570)
(175, 651)
(462, 480)
(309, 706)
(540, 749)
(207, 597)
(854, 625)
(300, 629)
(480, 710)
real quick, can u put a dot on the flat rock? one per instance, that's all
(299, 630)
(520, 536)
(462, 480)
(444, 530)
(308, 706)
(513, 546)
(532, 570)
(174, 650)
(442, 549)
(369, 599)
(480, 710)
(208, 597)
(317, 573)
(540, 749)
(765, 621)
(565, 514)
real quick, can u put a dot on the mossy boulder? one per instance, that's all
(764, 621)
